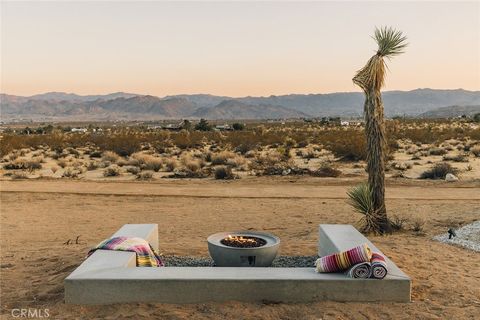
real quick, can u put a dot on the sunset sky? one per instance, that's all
(231, 48)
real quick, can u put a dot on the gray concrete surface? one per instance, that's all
(97, 283)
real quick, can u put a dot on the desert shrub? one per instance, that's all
(349, 146)
(71, 173)
(192, 164)
(236, 161)
(412, 149)
(96, 154)
(146, 161)
(302, 144)
(73, 151)
(203, 125)
(123, 144)
(110, 156)
(92, 165)
(223, 173)
(111, 171)
(268, 159)
(397, 223)
(438, 171)
(326, 170)
(455, 158)
(23, 164)
(54, 169)
(145, 176)
(243, 148)
(476, 117)
(289, 142)
(308, 153)
(18, 175)
(153, 163)
(222, 157)
(475, 150)
(12, 156)
(402, 166)
(171, 164)
(437, 151)
(62, 163)
(133, 170)
(238, 126)
(418, 224)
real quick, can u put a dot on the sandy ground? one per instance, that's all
(38, 217)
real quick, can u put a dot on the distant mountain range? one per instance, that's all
(127, 106)
(452, 111)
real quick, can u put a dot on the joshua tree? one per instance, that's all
(371, 79)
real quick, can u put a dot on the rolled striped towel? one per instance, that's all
(379, 266)
(146, 255)
(361, 270)
(343, 260)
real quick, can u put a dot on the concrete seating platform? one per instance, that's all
(112, 277)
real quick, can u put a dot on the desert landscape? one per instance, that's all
(281, 178)
(291, 160)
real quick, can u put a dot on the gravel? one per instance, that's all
(468, 237)
(279, 262)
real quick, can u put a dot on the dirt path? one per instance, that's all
(234, 189)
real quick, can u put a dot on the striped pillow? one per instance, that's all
(343, 260)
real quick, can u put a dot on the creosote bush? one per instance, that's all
(145, 176)
(326, 170)
(438, 171)
(223, 173)
(110, 156)
(111, 171)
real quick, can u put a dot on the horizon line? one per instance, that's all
(220, 95)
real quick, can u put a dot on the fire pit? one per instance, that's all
(243, 248)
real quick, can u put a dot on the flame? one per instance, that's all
(240, 239)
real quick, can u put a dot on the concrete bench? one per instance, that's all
(108, 260)
(100, 284)
(334, 238)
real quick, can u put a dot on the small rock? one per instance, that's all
(450, 177)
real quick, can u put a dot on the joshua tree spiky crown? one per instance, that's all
(390, 43)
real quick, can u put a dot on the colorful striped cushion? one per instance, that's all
(343, 260)
(146, 256)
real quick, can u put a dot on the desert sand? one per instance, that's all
(40, 216)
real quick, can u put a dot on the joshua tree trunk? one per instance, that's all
(376, 151)
(371, 79)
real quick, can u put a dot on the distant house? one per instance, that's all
(82, 130)
(174, 127)
(344, 123)
(223, 127)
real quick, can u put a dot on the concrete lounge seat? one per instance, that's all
(108, 260)
(107, 282)
(334, 238)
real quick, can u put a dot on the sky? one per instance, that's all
(231, 48)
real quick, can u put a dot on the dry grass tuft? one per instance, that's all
(111, 171)
(110, 156)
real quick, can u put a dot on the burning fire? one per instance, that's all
(243, 241)
(240, 239)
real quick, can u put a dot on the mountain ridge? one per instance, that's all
(129, 106)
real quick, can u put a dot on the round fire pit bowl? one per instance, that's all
(243, 248)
